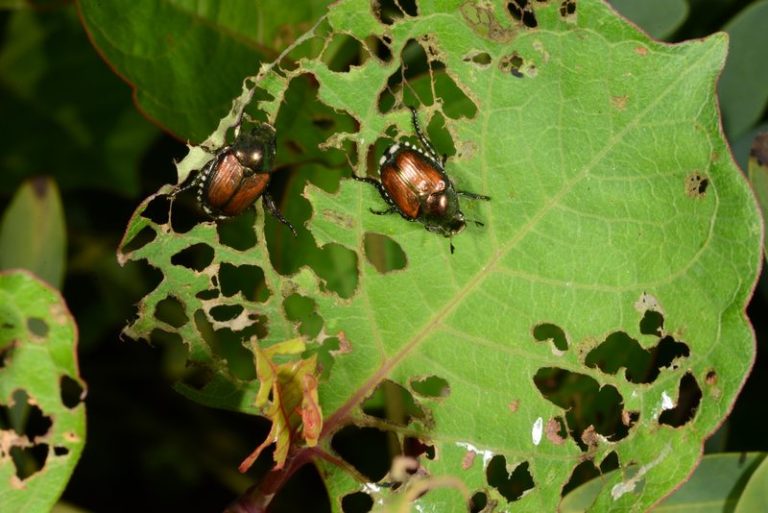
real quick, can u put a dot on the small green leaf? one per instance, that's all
(659, 18)
(742, 87)
(33, 232)
(39, 379)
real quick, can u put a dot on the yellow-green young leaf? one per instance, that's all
(41, 394)
(757, 169)
(717, 485)
(33, 232)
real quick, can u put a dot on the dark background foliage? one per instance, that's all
(68, 116)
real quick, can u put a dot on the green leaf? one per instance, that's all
(186, 68)
(597, 316)
(613, 196)
(717, 485)
(33, 233)
(659, 18)
(72, 118)
(41, 394)
(755, 495)
(757, 169)
(743, 91)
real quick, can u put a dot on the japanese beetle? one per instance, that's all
(414, 183)
(238, 175)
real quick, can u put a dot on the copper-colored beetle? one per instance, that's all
(414, 184)
(239, 175)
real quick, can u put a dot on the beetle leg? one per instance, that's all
(390, 210)
(450, 243)
(477, 223)
(375, 183)
(269, 205)
(472, 195)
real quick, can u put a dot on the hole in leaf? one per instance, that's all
(238, 232)
(512, 64)
(37, 326)
(375, 151)
(609, 463)
(413, 447)
(196, 257)
(368, 450)
(71, 392)
(567, 8)
(185, 212)
(421, 79)
(582, 473)
(711, 378)
(60, 450)
(157, 209)
(228, 345)
(224, 313)
(343, 52)
(379, 48)
(209, 294)
(550, 332)
(246, 279)
(652, 323)
(393, 403)
(389, 11)
(338, 267)
(478, 502)
(696, 185)
(383, 253)
(689, 397)
(29, 460)
(642, 365)
(302, 309)
(358, 502)
(510, 485)
(171, 311)
(482, 59)
(141, 239)
(24, 418)
(587, 404)
(431, 386)
(522, 11)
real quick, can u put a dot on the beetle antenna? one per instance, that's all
(474, 196)
(477, 223)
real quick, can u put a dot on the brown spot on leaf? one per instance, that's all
(552, 430)
(619, 102)
(696, 184)
(641, 50)
(514, 405)
(468, 460)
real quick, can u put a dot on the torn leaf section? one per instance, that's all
(288, 397)
(42, 415)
